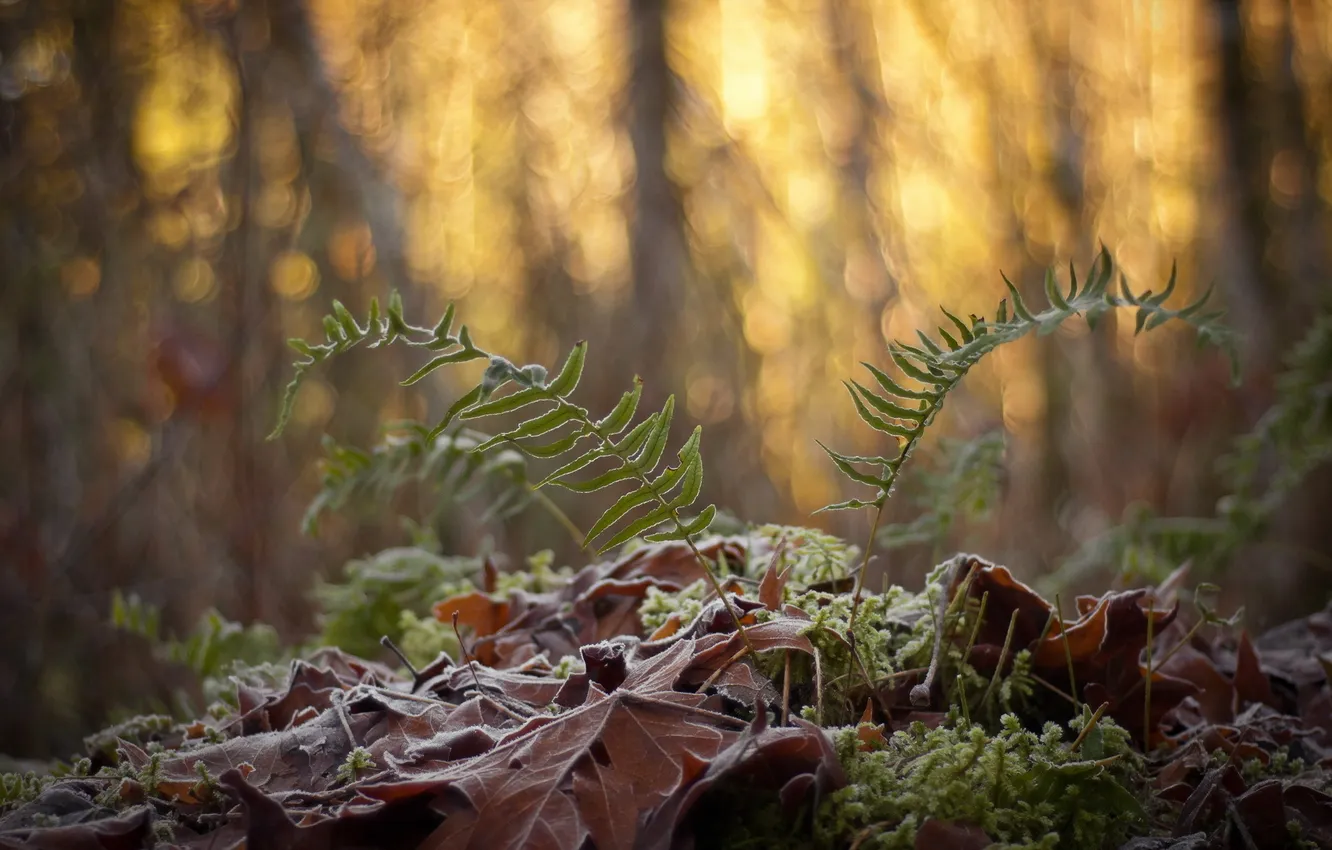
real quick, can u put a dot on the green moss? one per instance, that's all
(424, 638)
(659, 605)
(19, 788)
(1023, 789)
(811, 555)
(358, 763)
(567, 666)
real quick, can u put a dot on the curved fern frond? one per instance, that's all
(905, 412)
(552, 427)
(342, 333)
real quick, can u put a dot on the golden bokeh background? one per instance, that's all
(739, 200)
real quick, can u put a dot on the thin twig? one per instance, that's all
(1068, 651)
(1053, 689)
(715, 716)
(962, 699)
(716, 674)
(1003, 656)
(975, 628)
(920, 694)
(503, 709)
(467, 656)
(341, 711)
(900, 674)
(818, 687)
(1188, 636)
(869, 832)
(864, 671)
(786, 690)
(407, 695)
(387, 642)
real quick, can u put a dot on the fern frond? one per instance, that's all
(905, 412)
(553, 427)
(342, 333)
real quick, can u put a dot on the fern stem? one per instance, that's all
(860, 577)
(855, 608)
(560, 516)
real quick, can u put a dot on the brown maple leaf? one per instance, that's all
(589, 773)
(600, 770)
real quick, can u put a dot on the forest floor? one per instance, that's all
(618, 706)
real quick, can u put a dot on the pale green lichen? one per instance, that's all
(539, 577)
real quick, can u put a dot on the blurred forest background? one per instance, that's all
(737, 199)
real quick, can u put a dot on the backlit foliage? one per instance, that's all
(936, 367)
(634, 452)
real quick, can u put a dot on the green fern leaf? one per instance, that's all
(961, 326)
(1052, 292)
(662, 484)
(892, 388)
(940, 371)
(623, 412)
(688, 528)
(551, 427)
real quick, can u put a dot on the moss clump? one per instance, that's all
(567, 666)
(811, 555)
(424, 638)
(1023, 789)
(659, 605)
(539, 577)
(894, 635)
